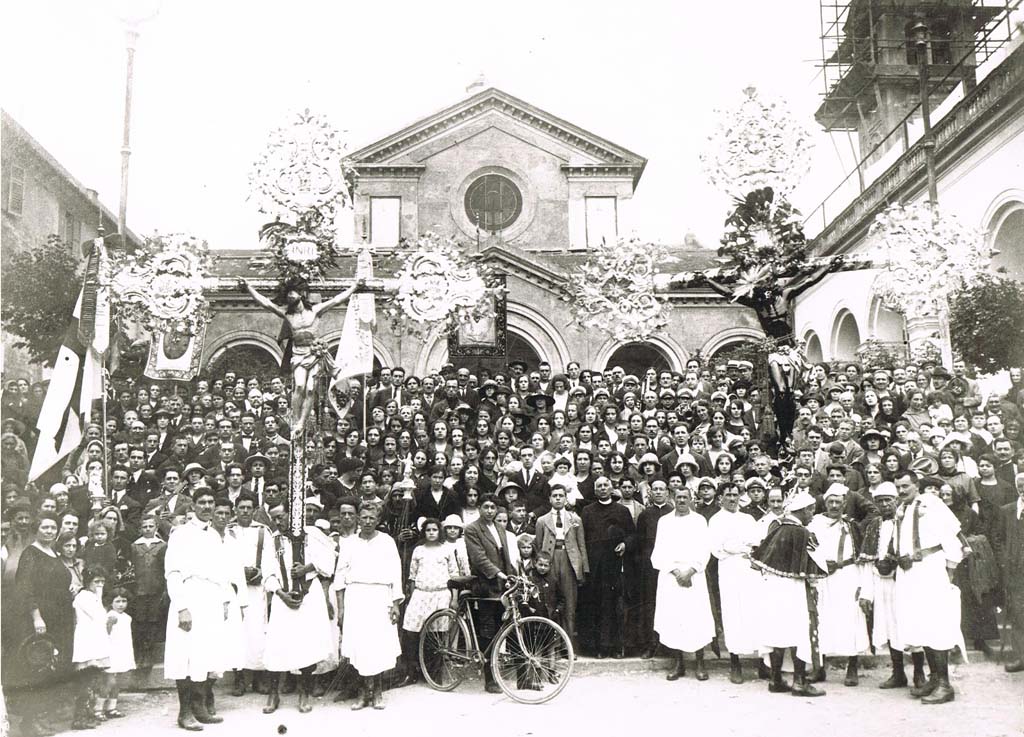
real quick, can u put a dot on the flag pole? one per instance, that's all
(106, 447)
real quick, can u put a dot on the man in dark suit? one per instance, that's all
(1010, 546)
(141, 480)
(680, 446)
(466, 393)
(120, 497)
(533, 483)
(490, 560)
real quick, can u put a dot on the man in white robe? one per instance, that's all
(200, 596)
(682, 615)
(878, 591)
(789, 560)
(254, 543)
(369, 584)
(927, 603)
(298, 629)
(842, 628)
(732, 535)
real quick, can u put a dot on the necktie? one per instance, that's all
(558, 518)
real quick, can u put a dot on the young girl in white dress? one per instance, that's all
(91, 652)
(122, 651)
(432, 564)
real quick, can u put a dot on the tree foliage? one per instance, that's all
(39, 288)
(985, 322)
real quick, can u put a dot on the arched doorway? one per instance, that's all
(813, 351)
(636, 358)
(245, 359)
(519, 349)
(845, 337)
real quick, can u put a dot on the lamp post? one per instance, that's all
(921, 36)
(132, 15)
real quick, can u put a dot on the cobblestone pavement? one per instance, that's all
(622, 699)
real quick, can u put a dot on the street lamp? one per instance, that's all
(133, 15)
(921, 35)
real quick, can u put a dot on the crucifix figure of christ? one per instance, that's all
(299, 332)
(772, 300)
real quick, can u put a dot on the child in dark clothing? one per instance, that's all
(99, 552)
(547, 603)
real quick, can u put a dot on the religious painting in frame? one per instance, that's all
(485, 337)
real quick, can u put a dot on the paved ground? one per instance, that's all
(632, 700)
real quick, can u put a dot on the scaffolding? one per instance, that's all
(865, 45)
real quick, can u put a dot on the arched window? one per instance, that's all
(493, 202)
(1007, 230)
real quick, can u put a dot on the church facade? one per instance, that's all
(527, 193)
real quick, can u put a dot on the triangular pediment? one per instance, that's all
(493, 109)
(534, 269)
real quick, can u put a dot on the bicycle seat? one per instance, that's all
(461, 583)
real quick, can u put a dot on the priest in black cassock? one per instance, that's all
(643, 541)
(608, 530)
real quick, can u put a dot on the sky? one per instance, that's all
(212, 79)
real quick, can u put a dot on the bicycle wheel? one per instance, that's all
(532, 662)
(446, 650)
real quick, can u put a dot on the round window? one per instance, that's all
(493, 202)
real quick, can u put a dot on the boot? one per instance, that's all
(186, 720)
(238, 687)
(735, 670)
(943, 691)
(679, 670)
(209, 701)
(918, 660)
(851, 672)
(288, 687)
(932, 683)
(320, 684)
(702, 673)
(801, 687)
(898, 679)
(378, 694)
(305, 680)
(776, 684)
(365, 694)
(273, 681)
(763, 671)
(202, 714)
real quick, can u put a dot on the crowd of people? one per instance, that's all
(657, 513)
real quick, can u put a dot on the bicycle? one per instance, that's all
(531, 656)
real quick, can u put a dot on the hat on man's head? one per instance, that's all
(800, 500)
(886, 488)
(840, 490)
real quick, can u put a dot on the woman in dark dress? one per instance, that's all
(44, 607)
